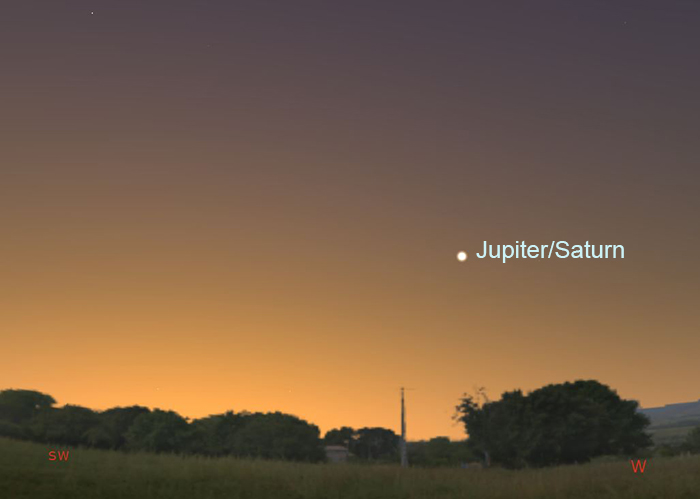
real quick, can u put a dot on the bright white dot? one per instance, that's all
(462, 256)
(92, 13)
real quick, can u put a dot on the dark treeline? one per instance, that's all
(556, 424)
(441, 451)
(371, 444)
(31, 415)
(380, 444)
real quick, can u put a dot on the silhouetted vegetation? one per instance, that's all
(692, 442)
(691, 445)
(380, 444)
(441, 451)
(370, 444)
(30, 415)
(345, 436)
(556, 424)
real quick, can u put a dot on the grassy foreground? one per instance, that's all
(26, 472)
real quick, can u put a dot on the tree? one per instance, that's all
(12, 430)
(277, 436)
(564, 423)
(344, 436)
(692, 441)
(68, 425)
(215, 435)
(113, 424)
(377, 443)
(158, 431)
(20, 406)
(440, 451)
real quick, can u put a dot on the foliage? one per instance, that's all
(19, 406)
(12, 430)
(31, 415)
(68, 425)
(344, 436)
(565, 423)
(376, 443)
(158, 431)
(440, 451)
(667, 450)
(277, 436)
(556, 424)
(214, 435)
(367, 444)
(113, 426)
(692, 441)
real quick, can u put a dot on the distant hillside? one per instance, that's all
(670, 423)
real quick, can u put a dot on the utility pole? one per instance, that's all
(404, 454)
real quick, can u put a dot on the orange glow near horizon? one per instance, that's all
(126, 296)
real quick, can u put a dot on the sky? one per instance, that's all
(257, 205)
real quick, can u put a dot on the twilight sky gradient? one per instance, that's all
(257, 205)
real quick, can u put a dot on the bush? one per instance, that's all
(556, 424)
(11, 430)
(692, 441)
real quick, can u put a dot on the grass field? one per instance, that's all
(674, 435)
(26, 472)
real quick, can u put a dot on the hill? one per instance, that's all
(671, 423)
(26, 472)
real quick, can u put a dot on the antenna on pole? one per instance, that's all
(404, 453)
